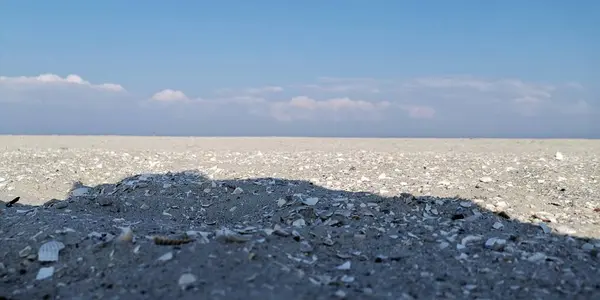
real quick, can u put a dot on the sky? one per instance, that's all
(348, 68)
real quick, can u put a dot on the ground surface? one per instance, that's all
(300, 218)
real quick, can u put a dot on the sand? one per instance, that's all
(299, 218)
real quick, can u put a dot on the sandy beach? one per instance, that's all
(299, 218)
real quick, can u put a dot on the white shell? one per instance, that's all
(126, 235)
(44, 273)
(49, 251)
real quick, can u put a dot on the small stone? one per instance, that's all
(497, 225)
(144, 206)
(104, 201)
(237, 191)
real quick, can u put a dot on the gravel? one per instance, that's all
(298, 218)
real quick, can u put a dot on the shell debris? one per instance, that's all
(49, 251)
(126, 235)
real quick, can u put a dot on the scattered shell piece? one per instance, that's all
(310, 201)
(470, 238)
(202, 235)
(126, 235)
(299, 223)
(587, 247)
(82, 191)
(486, 179)
(227, 235)
(495, 243)
(280, 231)
(466, 204)
(340, 294)
(559, 156)
(25, 251)
(536, 257)
(281, 202)
(186, 280)
(44, 273)
(545, 227)
(49, 251)
(344, 266)
(166, 257)
(65, 230)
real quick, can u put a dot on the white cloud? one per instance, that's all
(264, 90)
(438, 104)
(302, 107)
(346, 85)
(250, 92)
(53, 79)
(419, 112)
(169, 95)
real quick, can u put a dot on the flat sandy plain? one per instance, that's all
(300, 218)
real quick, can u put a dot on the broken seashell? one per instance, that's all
(226, 235)
(186, 280)
(344, 266)
(165, 257)
(49, 251)
(310, 201)
(126, 235)
(44, 273)
(25, 251)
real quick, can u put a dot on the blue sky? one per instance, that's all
(344, 68)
